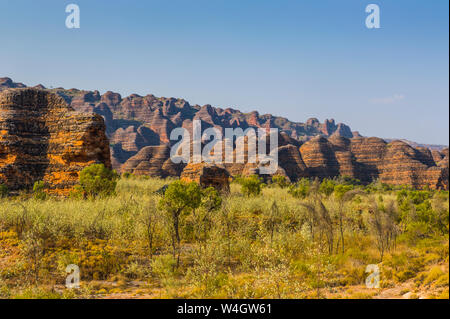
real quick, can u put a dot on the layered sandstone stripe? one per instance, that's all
(42, 138)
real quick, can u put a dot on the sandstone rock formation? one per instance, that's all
(41, 138)
(153, 161)
(125, 118)
(207, 175)
(139, 131)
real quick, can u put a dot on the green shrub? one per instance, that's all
(163, 267)
(250, 186)
(280, 181)
(211, 199)
(38, 190)
(180, 198)
(4, 191)
(347, 180)
(341, 190)
(97, 180)
(327, 187)
(300, 189)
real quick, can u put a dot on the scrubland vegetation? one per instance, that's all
(312, 239)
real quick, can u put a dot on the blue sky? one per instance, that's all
(298, 59)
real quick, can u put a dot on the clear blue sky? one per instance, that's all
(298, 59)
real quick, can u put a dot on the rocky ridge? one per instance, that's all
(43, 139)
(139, 127)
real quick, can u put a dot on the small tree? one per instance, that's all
(38, 190)
(97, 180)
(151, 220)
(210, 203)
(300, 189)
(273, 219)
(343, 194)
(280, 181)
(381, 220)
(4, 191)
(320, 217)
(250, 186)
(179, 199)
(211, 199)
(327, 187)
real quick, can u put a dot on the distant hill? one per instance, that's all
(135, 121)
(432, 147)
(138, 129)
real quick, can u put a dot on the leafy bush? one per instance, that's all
(347, 180)
(211, 199)
(97, 180)
(327, 187)
(163, 267)
(179, 199)
(341, 190)
(300, 189)
(250, 186)
(38, 190)
(4, 191)
(280, 181)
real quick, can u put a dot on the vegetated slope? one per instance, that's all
(279, 244)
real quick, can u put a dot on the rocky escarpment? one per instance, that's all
(139, 131)
(42, 138)
(135, 122)
(153, 161)
(368, 159)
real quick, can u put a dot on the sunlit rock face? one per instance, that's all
(139, 127)
(43, 139)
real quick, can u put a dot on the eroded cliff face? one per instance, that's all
(42, 138)
(135, 122)
(139, 131)
(368, 159)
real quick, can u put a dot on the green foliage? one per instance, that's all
(300, 189)
(422, 214)
(347, 180)
(211, 199)
(126, 175)
(97, 180)
(341, 189)
(181, 197)
(280, 181)
(38, 190)
(4, 191)
(190, 242)
(378, 187)
(250, 186)
(163, 267)
(327, 187)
